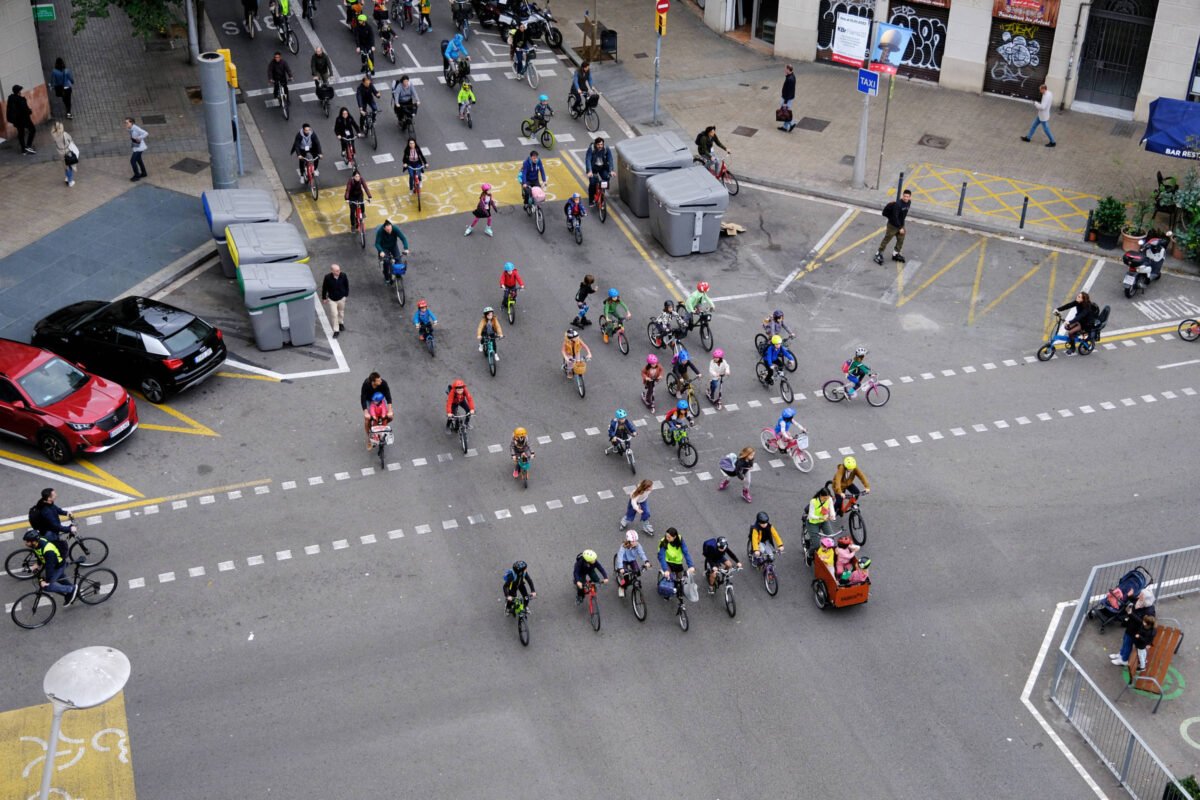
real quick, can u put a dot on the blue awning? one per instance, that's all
(1174, 128)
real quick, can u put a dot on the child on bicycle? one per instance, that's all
(680, 365)
(574, 208)
(677, 417)
(386, 34)
(631, 559)
(773, 357)
(466, 99)
(620, 429)
(516, 580)
(519, 449)
(542, 112)
(377, 414)
(510, 281)
(613, 308)
(786, 429)
(856, 369)
(425, 7)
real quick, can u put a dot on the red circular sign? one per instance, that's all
(662, 5)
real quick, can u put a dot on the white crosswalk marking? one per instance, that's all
(454, 147)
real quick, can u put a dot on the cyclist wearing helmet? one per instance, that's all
(542, 112)
(378, 413)
(630, 559)
(697, 302)
(718, 369)
(519, 447)
(572, 348)
(52, 567)
(773, 357)
(620, 431)
(856, 369)
(489, 328)
(669, 323)
(680, 364)
(370, 387)
(533, 173)
(485, 206)
(846, 560)
(517, 580)
(786, 429)
(457, 397)
(774, 324)
(652, 373)
(616, 311)
(677, 417)
(764, 539)
(673, 555)
(587, 566)
(717, 554)
(598, 164)
(843, 480)
(424, 319)
(738, 466)
(574, 208)
(586, 287)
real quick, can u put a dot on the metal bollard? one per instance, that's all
(1087, 229)
(899, 187)
(1024, 208)
(962, 195)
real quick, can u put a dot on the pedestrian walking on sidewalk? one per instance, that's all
(63, 82)
(67, 150)
(896, 212)
(1043, 117)
(334, 291)
(137, 140)
(21, 118)
(788, 97)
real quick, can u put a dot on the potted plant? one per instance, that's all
(1107, 219)
(1137, 224)
(1185, 241)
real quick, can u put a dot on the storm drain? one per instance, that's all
(1124, 127)
(742, 130)
(936, 142)
(191, 166)
(812, 124)
(154, 119)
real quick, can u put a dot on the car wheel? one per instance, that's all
(54, 447)
(154, 391)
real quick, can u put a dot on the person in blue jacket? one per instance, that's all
(620, 429)
(455, 48)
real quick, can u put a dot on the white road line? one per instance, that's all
(811, 253)
(1178, 364)
(411, 56)
(423, 529)
(254, 561)
(746, 296)
(196, 572)
(1091, 279)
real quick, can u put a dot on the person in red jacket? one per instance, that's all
(457, 397)
(510, 282)
(357, 191)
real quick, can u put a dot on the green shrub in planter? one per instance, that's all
(1109, 216)
(1189, 784)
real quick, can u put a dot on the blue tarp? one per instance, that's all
(1174, 128)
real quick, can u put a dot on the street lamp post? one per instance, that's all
(84, 678)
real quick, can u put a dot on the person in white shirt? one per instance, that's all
(137, 140)
(1043, 117)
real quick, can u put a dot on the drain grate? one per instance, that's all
(812, 124)
(1124, 127)
(191, 166)
(847, 161)
(154, 119)
(641, 55)
(742, 130)
(936, 142)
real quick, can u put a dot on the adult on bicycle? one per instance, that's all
(533, 173)
(681, 364)
(388, 239)
(357, 192)
(380, 13)
(510, 281)
(250, 14)
(489, 328)
(717, 554)
(365, 95)
(698, 302)
(306, 145)
(599, 165)
(373, 385)
(519, 41)
(346, 130)
(52, 568)
(45, 516)
(320, 67)
(843, 481)
(378, 413)
(587, 567)
(620, 431)
(458, 398)
(765, 541)
(280, 11)
(414, 161)
(706, 140)
(673, 556)
(404, 100)
(456, 49)
(574, 209)
(574, 348)
(519, 449)
(818, 521)
(279, 74)
(630, 560)
(1084, 320)
(581, 85)
(517, 580)
(364, 44)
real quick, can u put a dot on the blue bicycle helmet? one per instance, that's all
(613, 294)
(683, 355)
(377, 397)
(543, 98)
(620, 414)
(788, 413)
(778, 314)
(682, 405)
(509, 266)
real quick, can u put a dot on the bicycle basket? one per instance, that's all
(802, 441)
(579, 366)
(399, 268)
(666, 588)
(538, 195)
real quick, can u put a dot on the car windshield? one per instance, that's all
(52, 381)
(186, 338)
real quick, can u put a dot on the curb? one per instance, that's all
(172, 272)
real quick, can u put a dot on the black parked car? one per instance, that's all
(138, 342)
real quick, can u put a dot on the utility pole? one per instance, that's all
(660, 27)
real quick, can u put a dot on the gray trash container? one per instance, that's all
(224, 207)
(280, 299)
(643, 157)
(686, 206)
(265, 243)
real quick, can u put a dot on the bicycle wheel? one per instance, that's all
(523, 629)
(629, 460)
(623, 342)
(790, 363)
(325, 108)
(834, 391)
(398, 285)
(97, 586)
(1189, 330)
(539, 219)
(285, 107)
(418, 193)
(683, 618)
(579, 385)
(731, 182)
(672, 384)
(312, 185)
(785, 390)
(462, 437)
(878, 395)
(578, 233)
(706, 337)
(527, 128)
(693, 403)
(730, 603)
(602, 209)
(688, 455)
(430, 346)
(374, 137)
(391, 55)
(858, 528)
(770, 581)
(88, 551)
(511, 308)
(382, 445)
(767, 439)
(763, 373)
(653, 335)
(293, 42)
(33, 610)
(491, 358)
(547, 139)
(1086, 347)
(21, 564)
(251, 24)
(594, 612)
(803, 460)
(760, 343)
(665, 432)
(362, 235)
(591, 121)
(638, 602)
(1045, 352)
(532, 76)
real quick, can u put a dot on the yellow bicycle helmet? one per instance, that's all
(777, 340)
(519, 433)
(849, 462)
(589, 556)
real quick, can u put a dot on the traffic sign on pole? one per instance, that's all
(660, 22)
(662, 6)
(868, 82)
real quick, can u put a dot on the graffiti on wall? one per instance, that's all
(1019, 54)
(827, 25)
(928, 38)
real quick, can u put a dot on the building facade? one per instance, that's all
(1109, 57)
(20, 62)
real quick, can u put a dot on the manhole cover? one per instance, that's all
(641, 55)
(847, 160)
(191, 166)
(1125, 127)
(154, 119)
(812, 124)
(937, 142)
(742, 130)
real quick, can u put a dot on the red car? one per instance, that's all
(64, 410)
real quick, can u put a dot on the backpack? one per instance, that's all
(699, 138)
(33, 522)
(727, 464)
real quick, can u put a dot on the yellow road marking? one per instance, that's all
(107, 480)
(93, 756)
(975, 287)
(155, 500)
(654, 267)
(191, 426)
(1033, 270)
(454, 190)
(818, 258)
(248, 376)
(900, 275)
(94, 475)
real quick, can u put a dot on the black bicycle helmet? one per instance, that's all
(519, 567)
(31, 535)
(722, 543)
(763, 518)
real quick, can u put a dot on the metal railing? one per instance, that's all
(1090, 712)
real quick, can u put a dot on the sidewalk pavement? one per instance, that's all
(709, 79)
(49, 226)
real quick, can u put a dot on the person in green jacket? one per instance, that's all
(388, 239)
(616, 311)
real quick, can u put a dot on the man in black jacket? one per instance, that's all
(334, 291)
(896, 212)
(46, 517)
(370, 386)
(21, 118)
(788, 96)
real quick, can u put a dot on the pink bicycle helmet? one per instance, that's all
(652, 359)
(718, 353)
(487, 187)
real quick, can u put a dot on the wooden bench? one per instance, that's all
(1158, 660)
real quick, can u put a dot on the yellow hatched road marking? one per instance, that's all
(819, 259)
(190, 425)
(93, 474)
(900, 274)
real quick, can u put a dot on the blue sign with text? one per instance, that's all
(868, 82)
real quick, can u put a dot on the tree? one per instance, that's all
(148, 17)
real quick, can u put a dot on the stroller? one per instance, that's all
(1109, 609)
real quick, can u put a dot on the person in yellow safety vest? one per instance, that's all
(843, 481)
(820, 517)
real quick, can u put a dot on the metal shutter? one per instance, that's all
(827, 21)
(1018, 58)
(929, 24)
